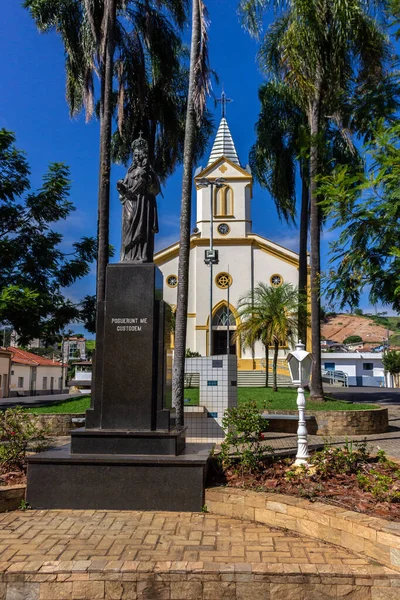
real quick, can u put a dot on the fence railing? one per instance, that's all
(336, 377)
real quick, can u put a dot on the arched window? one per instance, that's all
(223, 201)
(220, 319)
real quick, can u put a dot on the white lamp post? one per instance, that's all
(299, 362)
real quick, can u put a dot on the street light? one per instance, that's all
(211, 255)
(299, 362)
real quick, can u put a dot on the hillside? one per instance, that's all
(340, 327)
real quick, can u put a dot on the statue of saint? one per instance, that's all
(137, 192)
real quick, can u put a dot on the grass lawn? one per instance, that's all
(283, 399)
(76, 405)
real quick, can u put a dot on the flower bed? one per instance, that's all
(349, 477)
(346, 477)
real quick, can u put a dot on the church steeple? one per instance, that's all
(223, 145)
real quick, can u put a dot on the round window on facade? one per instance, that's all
(223, 228)
(172, 281)
(223, 280)
(276, 280)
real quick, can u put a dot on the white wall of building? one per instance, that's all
(246, 257)
(362, 368)
(4, 373)
(25, 379)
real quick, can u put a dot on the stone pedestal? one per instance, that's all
(130, 453)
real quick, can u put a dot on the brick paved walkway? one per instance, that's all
(85, 541)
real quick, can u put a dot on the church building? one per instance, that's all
(244, 257)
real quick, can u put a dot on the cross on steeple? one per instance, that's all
(224, 101)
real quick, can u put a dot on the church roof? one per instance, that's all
(223, 145)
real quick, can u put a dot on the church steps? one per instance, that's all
(248, 379)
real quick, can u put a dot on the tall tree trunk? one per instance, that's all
(105, 155)
(275, 366)
(178, 373)
(317, 393)
(302, 309)
(266, 364)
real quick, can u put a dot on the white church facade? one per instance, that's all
(245, 258)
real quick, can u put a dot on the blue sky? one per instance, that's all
(33, 105)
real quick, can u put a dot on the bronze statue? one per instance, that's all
(137, 192)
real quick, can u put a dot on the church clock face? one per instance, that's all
(223, 228)
(276, 280)
(172, 281)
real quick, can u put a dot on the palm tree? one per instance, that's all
(125, 42)
(326, 51)
(282, 140)
(269, 315)
(197, 93)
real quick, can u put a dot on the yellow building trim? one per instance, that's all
(294, 262)
(221, 160)
(223, 219)
(251, 240)
(201, 327)
(246, 364)
(191, 315)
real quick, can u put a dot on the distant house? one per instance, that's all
(332, 346)
(5, 368)
(74, 348)
(33, 375)
(82, 377)
(362, 368)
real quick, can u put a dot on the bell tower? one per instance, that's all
(231, 200)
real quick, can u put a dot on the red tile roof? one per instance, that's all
(22, 357)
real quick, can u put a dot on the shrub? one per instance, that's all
(243, 445)
(18, 429)
(335, 460)
(352, 339)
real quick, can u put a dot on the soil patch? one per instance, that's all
(373, 490)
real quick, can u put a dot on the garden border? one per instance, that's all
(376, 538)
(341, 422)
(11, 497)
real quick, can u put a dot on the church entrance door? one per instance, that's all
(221, 318)
(220, 342)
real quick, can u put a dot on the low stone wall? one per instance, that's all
(11, 497)
(375, 538)
(59, 424)
(341, 422)
(185, 581)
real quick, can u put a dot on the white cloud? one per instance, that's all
(291, 242)
(163, 241)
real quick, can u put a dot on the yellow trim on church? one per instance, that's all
(222, 159)
(251, 240)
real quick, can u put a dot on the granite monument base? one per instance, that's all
(58, 479)
(103, 441)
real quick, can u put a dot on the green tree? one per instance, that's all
(199, 77)
(328, 52)
(282, 140)
(269, 315)
(366, 210)
(34, 271)
(134, 46)
(352, 339)
(391, 363)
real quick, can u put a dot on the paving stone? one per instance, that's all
(20, 591)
